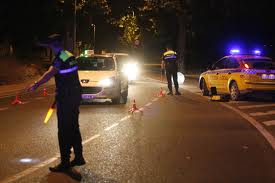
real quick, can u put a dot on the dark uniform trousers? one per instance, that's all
(171, 72)
(68, 102)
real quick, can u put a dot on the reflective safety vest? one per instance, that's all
(69, 62)
(170, 55)
(170, 59)
(67, 77)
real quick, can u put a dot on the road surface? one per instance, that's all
(185, 138)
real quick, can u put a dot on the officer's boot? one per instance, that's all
(78, 161)
(177, 93)
(64, 166)
(170, 92)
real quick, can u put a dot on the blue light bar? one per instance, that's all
(257, 52)
(234, 51)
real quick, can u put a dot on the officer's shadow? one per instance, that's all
(87, 177)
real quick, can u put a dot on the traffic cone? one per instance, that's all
(45, 92)
(134, 107)
(161, 93)
(16, 100)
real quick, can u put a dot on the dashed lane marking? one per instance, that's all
(150, 103)
(256, 124)
(269, 123)
(112, 126)
(125, 118)
(237, 102)
(47, 162)
(4, 108)
(256, 106)
(39, 98)
(90, 139)
(29, 171)
(262, 113)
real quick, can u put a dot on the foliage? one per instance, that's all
(130, 29)
(176, 6)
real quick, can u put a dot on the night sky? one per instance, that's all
(214, 26)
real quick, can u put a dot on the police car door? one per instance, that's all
(216, 74)
(231, 65)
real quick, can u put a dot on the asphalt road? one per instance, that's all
(184, 138)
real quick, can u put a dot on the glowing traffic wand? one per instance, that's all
(50, 112)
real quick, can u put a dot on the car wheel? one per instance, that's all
(204, 89)
(124, 96)
(234, 92)
(116, 100)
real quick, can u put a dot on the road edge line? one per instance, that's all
(270, 139)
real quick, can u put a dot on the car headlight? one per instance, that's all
(130, 70)
(106, 82)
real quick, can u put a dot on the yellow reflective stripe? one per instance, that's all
(64, 55)
(169, 53)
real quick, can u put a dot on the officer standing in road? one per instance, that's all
(170, 63)
(68, 95)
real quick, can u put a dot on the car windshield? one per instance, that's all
(260, 63)
(96, 63)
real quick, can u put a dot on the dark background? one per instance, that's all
(212, 27)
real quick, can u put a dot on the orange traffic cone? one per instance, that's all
(161, 93)
(45, 92)
(134, 107)
(16, 100)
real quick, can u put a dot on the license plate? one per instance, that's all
(87, 96)
(268, 76)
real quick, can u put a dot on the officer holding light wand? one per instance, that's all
(67, 100)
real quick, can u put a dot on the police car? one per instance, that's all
(239, 74)
(127, 65)
(100, 78)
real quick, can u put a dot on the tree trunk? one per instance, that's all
(181, 42)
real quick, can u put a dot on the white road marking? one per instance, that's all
(47, 162)
(256, 106)
(123, 119)
(90, 139)
(150, 103)
(4, 108)
(110, 127)
(262, 113)
(28, 171)
(237, 102)
(39, 98)
(269, 123)
(251, 120)
(256, 124)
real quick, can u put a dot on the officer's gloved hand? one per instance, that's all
(32, 87)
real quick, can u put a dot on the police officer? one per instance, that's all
(170, 63)
(68, 95)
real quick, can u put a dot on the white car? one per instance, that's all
(100, 78)
(126, 64)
